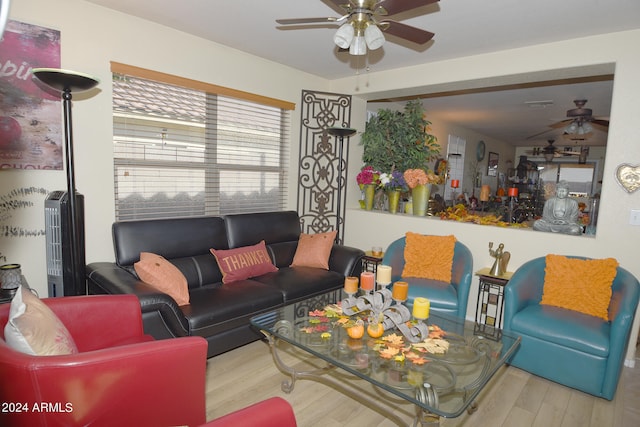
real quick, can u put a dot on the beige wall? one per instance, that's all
(93, 36)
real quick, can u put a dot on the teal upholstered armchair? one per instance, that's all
(568, 347)
(447, 298)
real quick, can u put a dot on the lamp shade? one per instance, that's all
(373, 36)
(358, 46)
(344, 36)
(571, 129)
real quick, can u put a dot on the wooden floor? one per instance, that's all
(513, 398)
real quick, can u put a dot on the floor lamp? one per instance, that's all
(340, 133)
(65, 82)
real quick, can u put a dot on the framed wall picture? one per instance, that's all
(492, 164)
(30, 121)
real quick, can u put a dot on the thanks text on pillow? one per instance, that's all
(243, 260)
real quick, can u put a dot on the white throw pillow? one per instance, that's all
(34, 329)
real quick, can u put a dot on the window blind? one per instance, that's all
(180, 151)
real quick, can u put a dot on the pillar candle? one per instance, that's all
(351, 284)
(421, 308)
(367, 281)
(384, 274)
(455, 183)
(513, 192)
(400, 291)
(484, 193)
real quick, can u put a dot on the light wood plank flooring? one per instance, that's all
(513, 398)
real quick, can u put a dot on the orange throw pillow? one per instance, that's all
(582, 285)
(164, 276)
(244, 262)
(428, 257)
(314, 249)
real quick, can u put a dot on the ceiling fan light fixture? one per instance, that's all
(548, 156)
(571, 129)
(374, 37)
(344, 36)
(358, 46)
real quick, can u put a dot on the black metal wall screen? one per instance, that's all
(321, 171)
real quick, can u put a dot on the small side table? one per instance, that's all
(370, 262)
(490, 299)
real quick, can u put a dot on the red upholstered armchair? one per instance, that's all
(273, 412)
(119, 377)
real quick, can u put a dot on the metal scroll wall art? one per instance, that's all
(322, 173)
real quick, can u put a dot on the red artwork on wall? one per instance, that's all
(30, 118)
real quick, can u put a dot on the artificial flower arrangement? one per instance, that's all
(415, 177)
(460, 213)
(368, 175)
(393, 181)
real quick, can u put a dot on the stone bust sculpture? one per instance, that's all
(560, 213)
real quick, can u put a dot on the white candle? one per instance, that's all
(384, 274)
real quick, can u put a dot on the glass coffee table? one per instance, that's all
(441, 375)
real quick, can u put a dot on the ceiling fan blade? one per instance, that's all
(604, 123)
(306, 20)
(407, 32)
(393, 7)
(539, 134)
(561, 124)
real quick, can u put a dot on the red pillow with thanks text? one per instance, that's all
(243, 263)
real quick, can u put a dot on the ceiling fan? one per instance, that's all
(578, 123)
(580, 119)
(364, 22)
(550, 151)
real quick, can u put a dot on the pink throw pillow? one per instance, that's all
(243, 263)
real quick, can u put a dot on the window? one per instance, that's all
(580, 177)
(185, 151)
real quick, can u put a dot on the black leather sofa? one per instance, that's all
(218, 312)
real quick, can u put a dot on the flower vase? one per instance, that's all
(420, 196)
(394, 200)
(369, 196)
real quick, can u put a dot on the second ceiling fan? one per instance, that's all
(550, 151)
(578, 123)
(365, 22)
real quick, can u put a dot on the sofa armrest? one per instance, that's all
(109, 278)
(346, 260)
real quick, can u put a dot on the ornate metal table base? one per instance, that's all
(425, 395)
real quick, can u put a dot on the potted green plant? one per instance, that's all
(399, 140)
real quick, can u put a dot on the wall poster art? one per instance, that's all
(30, 118)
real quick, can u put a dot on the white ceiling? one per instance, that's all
(461, 27)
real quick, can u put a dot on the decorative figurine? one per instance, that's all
(560, 213)
(502, 260)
